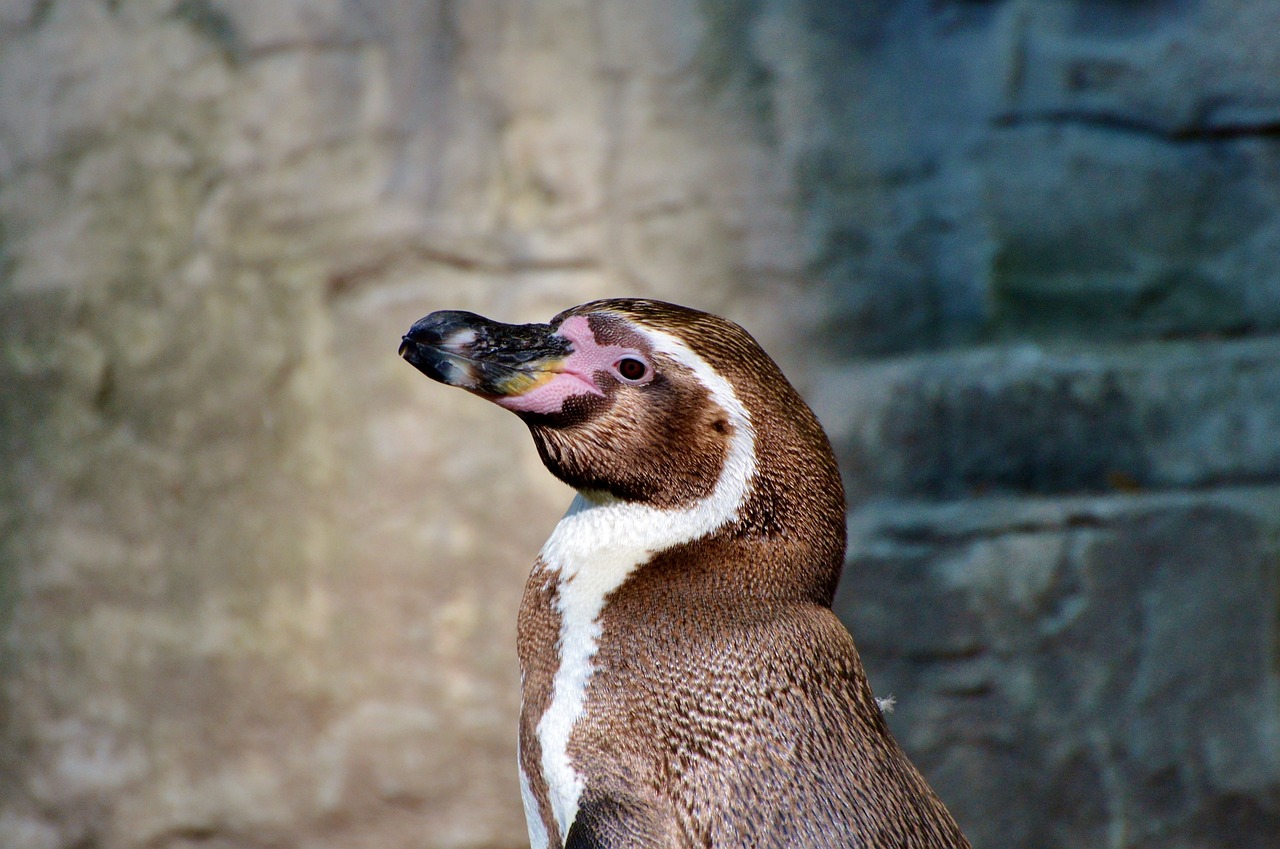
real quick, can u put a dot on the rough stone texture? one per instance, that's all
(1059, 220)
(258, 578)
(1096, 169)
(1041, 420)
(1105, 667)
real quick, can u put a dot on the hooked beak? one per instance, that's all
(486, 357)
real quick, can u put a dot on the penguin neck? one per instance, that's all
(791, 532)
(755, 526)
(602, 540)
(777, 507)
(779, 539)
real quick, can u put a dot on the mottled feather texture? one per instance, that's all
(705, 695)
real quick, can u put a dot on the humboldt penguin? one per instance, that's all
(684, 680)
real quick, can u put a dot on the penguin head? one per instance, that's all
(618, 400)
(645, 401)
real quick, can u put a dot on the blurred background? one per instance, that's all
(258, 577)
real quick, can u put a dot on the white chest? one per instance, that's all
(593, 550)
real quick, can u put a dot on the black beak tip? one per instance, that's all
(412, 350)
(433, 345)
(419, 346)
(426, 360)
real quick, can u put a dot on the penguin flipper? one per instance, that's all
(610, 823)
(582, 836)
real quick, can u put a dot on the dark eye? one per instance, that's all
(631, 369)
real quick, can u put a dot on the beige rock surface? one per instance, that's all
(259, 575)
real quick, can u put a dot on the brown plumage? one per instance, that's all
(685, 683)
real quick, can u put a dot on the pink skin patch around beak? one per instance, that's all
(575, 375)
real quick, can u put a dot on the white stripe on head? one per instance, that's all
(603, 540)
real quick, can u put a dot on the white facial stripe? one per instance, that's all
(597, 545)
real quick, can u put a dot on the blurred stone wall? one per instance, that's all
(258, 577)
(1052, 267)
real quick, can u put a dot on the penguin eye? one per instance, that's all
(631, 369)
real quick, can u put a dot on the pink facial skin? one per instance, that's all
(576, 374)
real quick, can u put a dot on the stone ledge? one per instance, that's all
(1034, 420)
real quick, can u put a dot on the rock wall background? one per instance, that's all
(258, 578)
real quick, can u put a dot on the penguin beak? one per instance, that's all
(486, 357)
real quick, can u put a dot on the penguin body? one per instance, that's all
(684, 681)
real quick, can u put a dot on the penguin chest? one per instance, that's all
(538, 633)
(558, 640)
(598, 545)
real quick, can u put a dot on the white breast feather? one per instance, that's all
(600, 542)
(538, 838)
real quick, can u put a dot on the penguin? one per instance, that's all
(684, 681)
